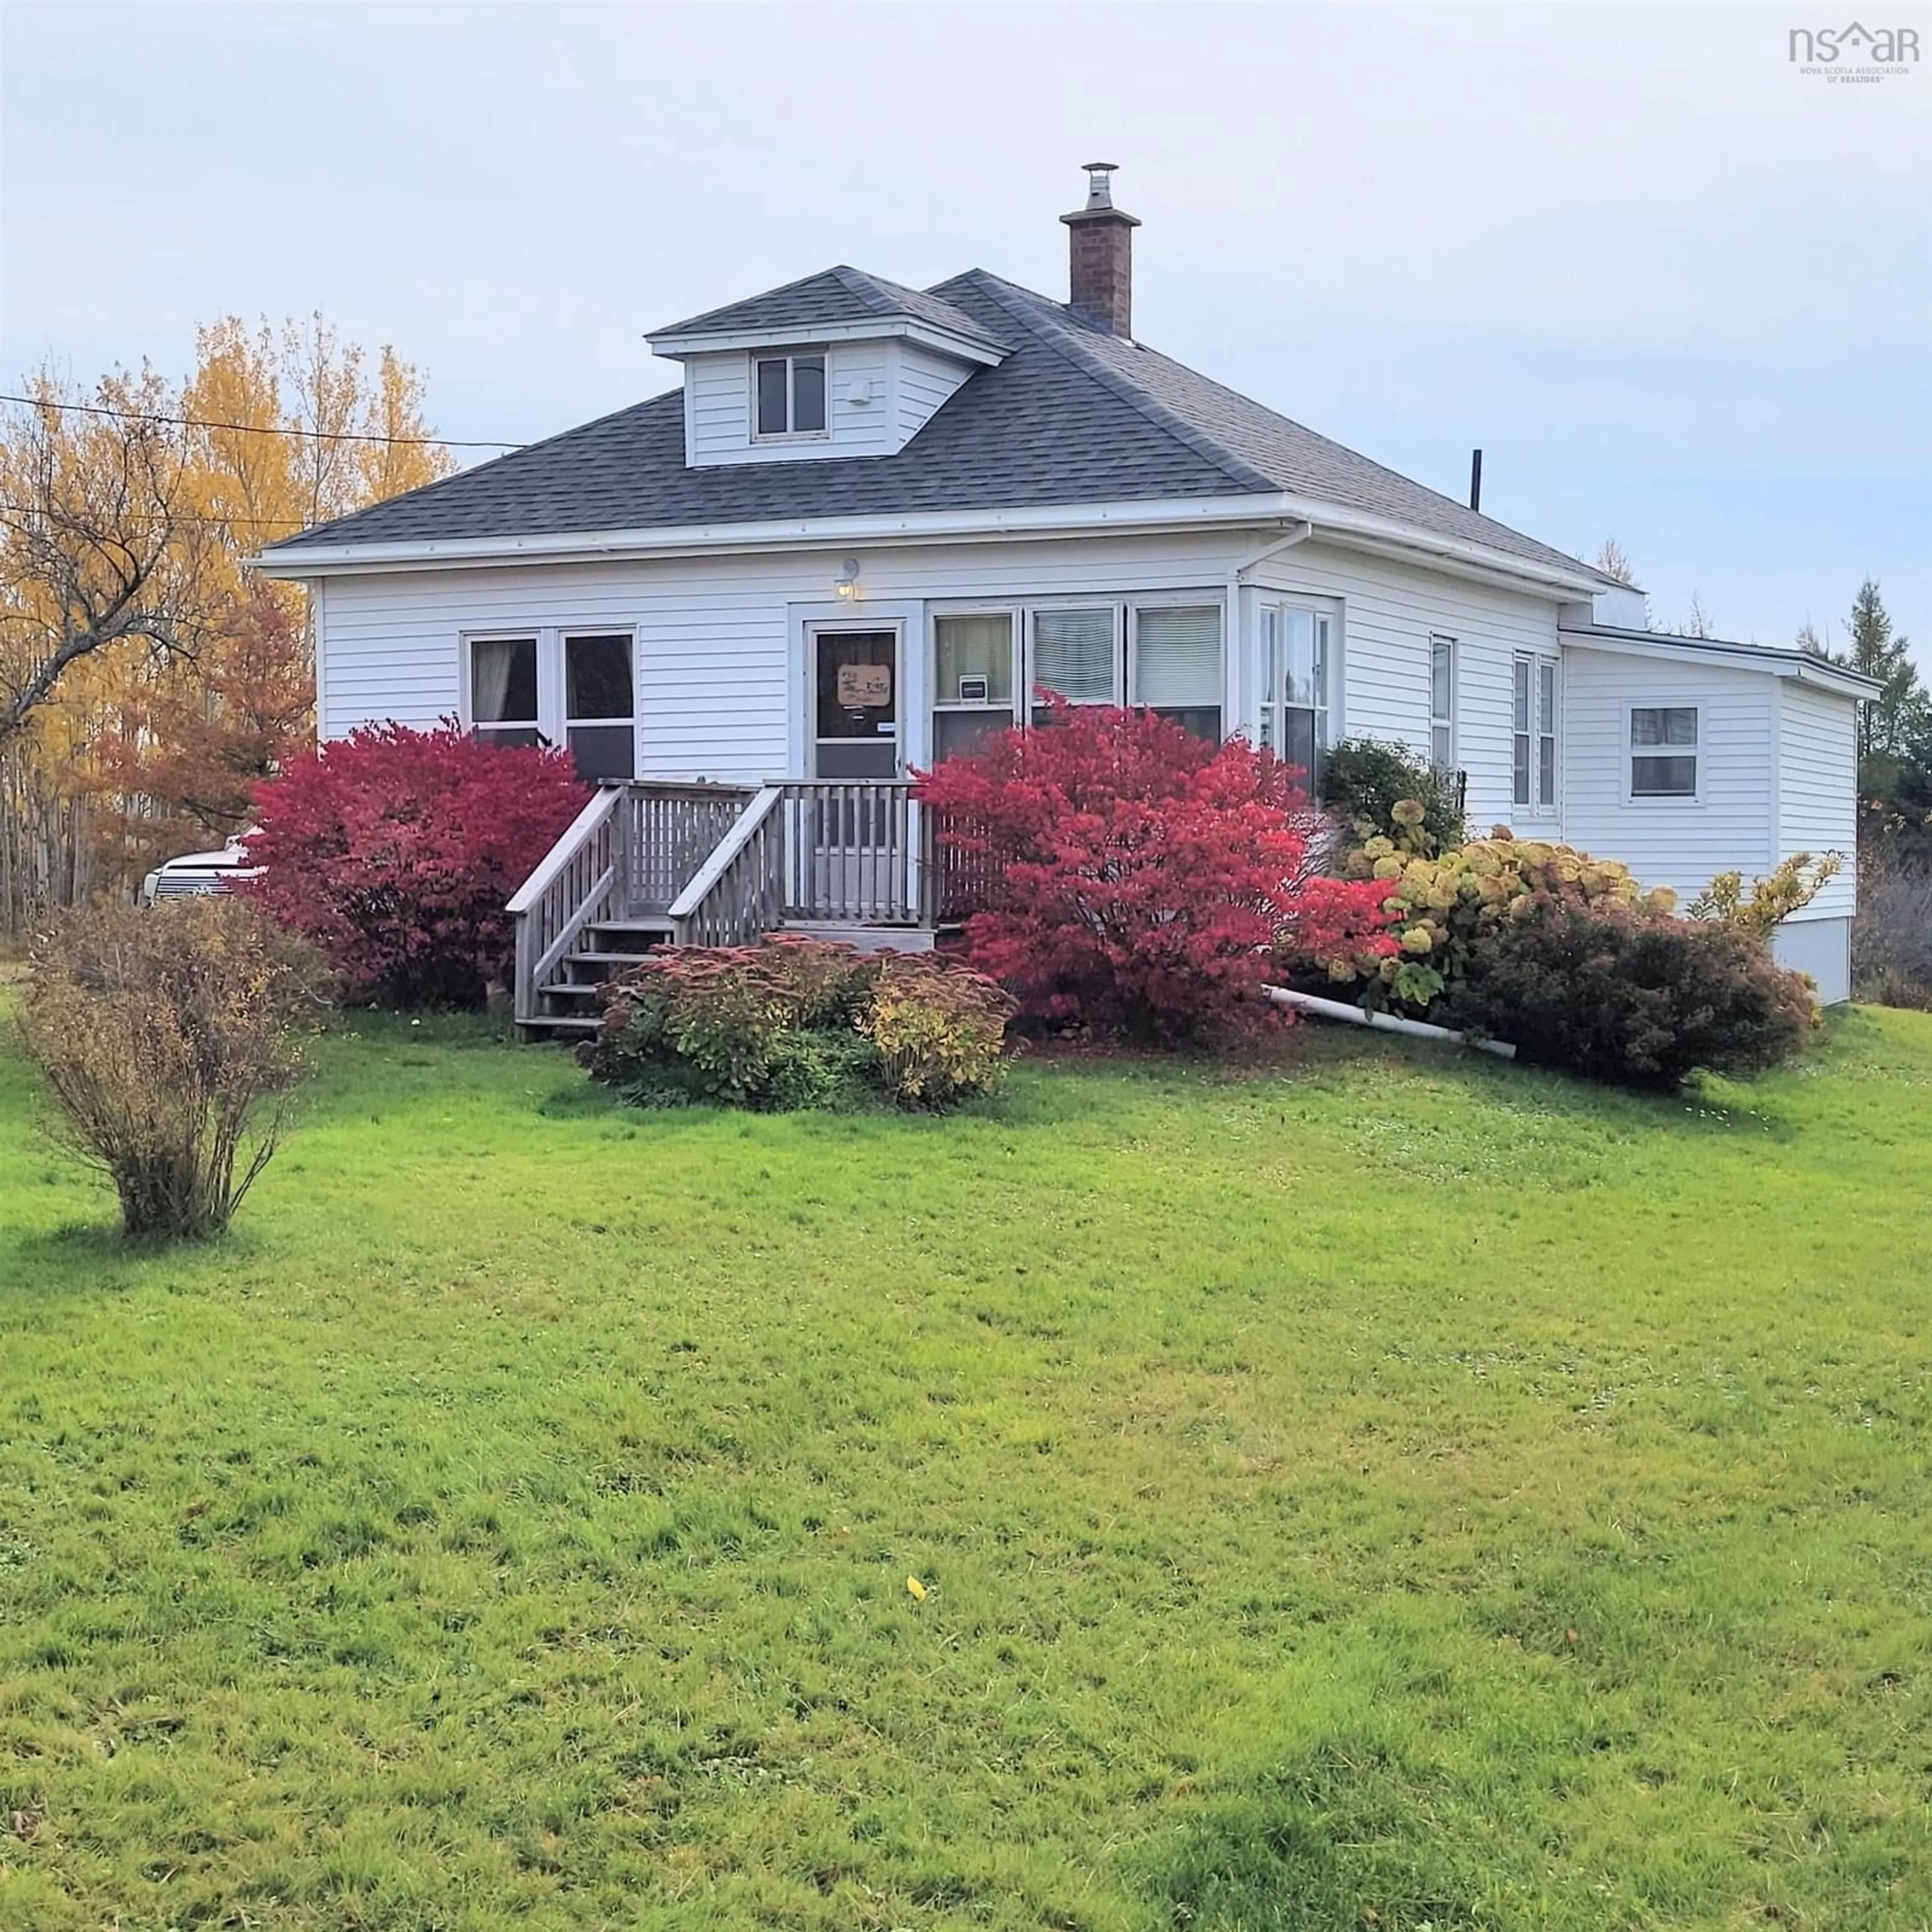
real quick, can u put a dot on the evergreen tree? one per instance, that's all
(1900, 717)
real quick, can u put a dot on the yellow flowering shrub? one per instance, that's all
(1438, 905)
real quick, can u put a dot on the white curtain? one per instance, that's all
(489, 678)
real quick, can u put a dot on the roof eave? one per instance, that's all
(294, 561)
(674, 344)
(1721, 653)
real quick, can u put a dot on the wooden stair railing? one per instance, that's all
(738, 894)
(705, 864)
(575, 883)
(628, 853)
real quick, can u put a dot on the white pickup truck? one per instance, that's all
(198, 872)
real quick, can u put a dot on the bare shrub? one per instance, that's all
(1892, 938)
(170, 1038)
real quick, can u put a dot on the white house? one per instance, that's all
(873, 520)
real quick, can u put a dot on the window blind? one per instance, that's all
(1177, 656)
(1073, 654)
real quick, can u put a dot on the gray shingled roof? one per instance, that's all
(1072, 415)
(839, 295)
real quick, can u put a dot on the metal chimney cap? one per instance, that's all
(1100, 189)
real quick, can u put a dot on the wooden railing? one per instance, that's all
(722, 864)
(575, 883)
(629, 852)
(738, 894)
(853, 852)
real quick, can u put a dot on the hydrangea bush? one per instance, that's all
(1440, 907)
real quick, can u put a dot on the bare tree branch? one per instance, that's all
(96, 549)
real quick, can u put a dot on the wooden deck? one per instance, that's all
(651, 864)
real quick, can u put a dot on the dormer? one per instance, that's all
(839, 364)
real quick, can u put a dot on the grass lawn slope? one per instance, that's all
(1391, 1491)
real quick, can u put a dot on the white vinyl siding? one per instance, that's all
(879, 395)
(1387, 611)
(721, 400)
(719, 694)
(1817, 771)
(1679, 842)
(924, 380)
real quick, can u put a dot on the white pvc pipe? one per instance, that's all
(1334, 1010)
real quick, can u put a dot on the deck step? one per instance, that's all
(572, 989)
(659, 925)
(558, 1023)
(609, 958)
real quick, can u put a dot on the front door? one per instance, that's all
(847, 835)
(855, 704)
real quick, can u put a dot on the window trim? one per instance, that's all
(1129, 681)
(552, 725)
(1016, 710)
(1328, 710)
(1032, 610)
(1444, 722)
(788, 357)
(1531, 665)
(1694, 752)
(466, 707)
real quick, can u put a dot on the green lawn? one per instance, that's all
(1390, 1491)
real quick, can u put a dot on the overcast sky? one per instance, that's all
(1678, 289)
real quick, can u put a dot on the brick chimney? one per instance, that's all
(1100, 245)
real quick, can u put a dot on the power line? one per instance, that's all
(255, 429)
(293, 526)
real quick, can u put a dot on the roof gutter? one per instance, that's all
(295, 561)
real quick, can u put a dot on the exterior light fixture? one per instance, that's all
(847, 582)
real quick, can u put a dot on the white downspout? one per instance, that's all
(1334, 1010)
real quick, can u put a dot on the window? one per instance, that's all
(1664, 752)
(972, 679)
(1442, 703)
(552, 688)
(1177, 665)
(789, 393)
(503, 690)
(1533, 740)
(1077, 653)
(1546, 734)
(600, 722)
(1296, 657)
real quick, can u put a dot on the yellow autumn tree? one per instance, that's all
(125, 598)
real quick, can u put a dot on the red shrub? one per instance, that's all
(395, 850)
(1139, 878)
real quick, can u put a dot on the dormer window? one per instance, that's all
(789, 395)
